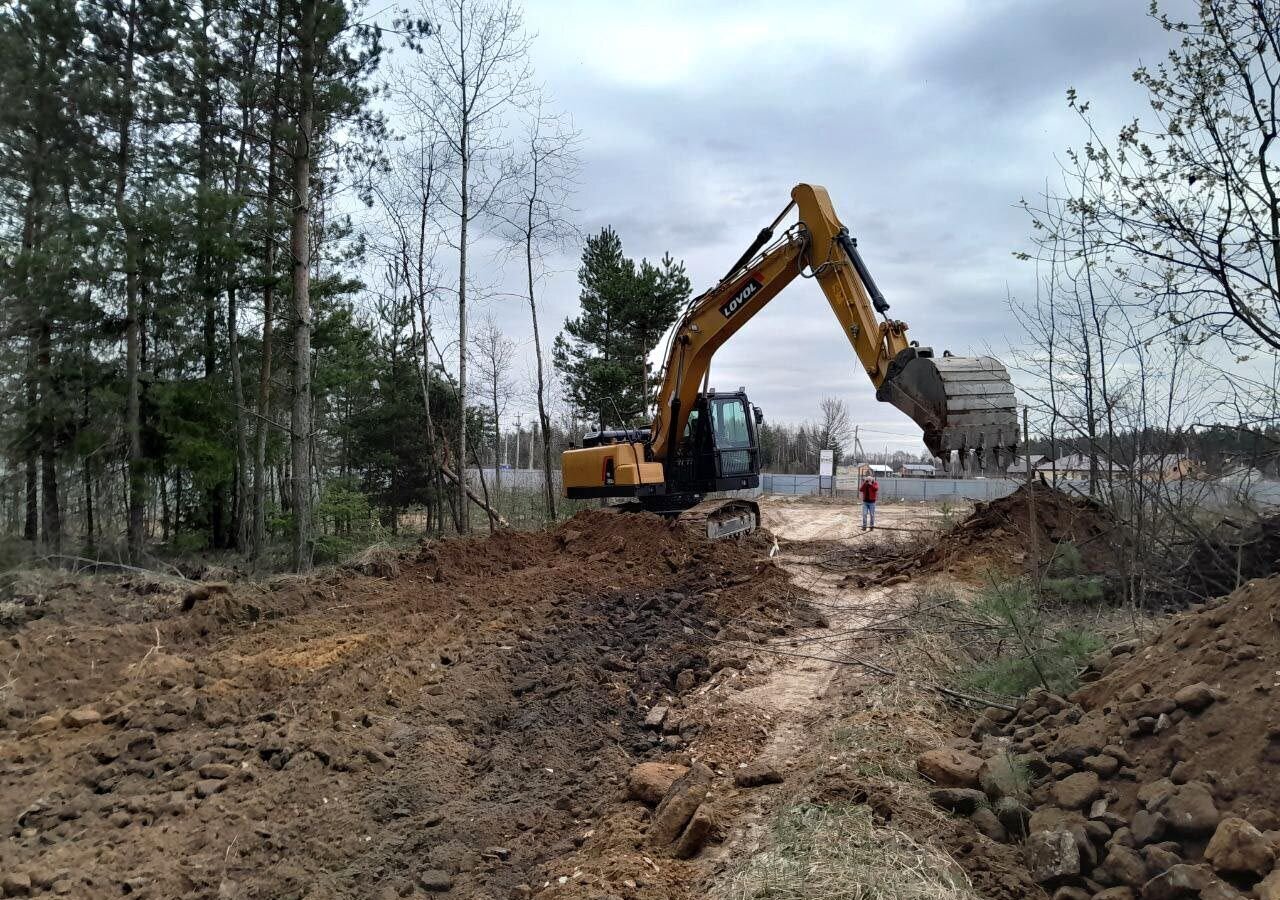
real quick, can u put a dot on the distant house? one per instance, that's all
(1019, 465)
(918, 470)
(1076, 467)
(862, 470)
(1164, 467)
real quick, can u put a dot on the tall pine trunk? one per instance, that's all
(50, 510)
(260, 472)
(300, 247)
(132, 324)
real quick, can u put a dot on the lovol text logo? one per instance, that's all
(738, 300)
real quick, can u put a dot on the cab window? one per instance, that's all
(729, 421)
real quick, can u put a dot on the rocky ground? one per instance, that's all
(1157, 779)
(617, 709)
(460, 723)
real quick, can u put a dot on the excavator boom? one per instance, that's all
(964, 405)
(702, 442)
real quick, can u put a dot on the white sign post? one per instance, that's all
(827, 469)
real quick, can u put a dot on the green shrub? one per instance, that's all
(1029, 651)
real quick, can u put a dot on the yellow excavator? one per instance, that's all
(702, 441)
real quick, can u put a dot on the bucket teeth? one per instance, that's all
(964, 404)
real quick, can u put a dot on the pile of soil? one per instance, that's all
(999, 535)
(457, 725)
(1161, 776)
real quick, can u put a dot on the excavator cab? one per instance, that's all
(718, 450)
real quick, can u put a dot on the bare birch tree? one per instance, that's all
(538, 223)
(476, 71)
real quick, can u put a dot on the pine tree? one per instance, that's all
(603, 353)
(661, 293)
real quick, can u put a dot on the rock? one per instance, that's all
(653, 719)
(1051, 855)
(44, 724)
(1003, 776)
(1102, 765)
(989, 824)
(437, 881)
(1151, 708)
(207, 787)
(1125, 866)
(218, 770)
(958, 800)
(1098, 832)
(1269, 887)
(1077, 791)
(1195, 697)
(1190, 809)
(696, 832)
(15, 884)
(650, 781)
(1237, 848)
(1148, 827)
(1013, 816)
(1159, 859)
(1180, 882)
(1154, 792)
(1070, 893)
(1088, 853)
(679, 805)
(82, 717)
(757, 774)
(1048, 818)
(686, 680)
(1115, 893)
(949, 768)
(1061, 769)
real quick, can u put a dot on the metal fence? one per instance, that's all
(1222, 494)
(893, 488)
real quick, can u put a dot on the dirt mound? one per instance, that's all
(463, 722)
(1169, 756)
(1004, 528)
(997, 535)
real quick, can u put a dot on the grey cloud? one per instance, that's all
(926, 156)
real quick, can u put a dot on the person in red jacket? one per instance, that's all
(869, 489)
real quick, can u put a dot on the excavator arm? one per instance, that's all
(964, 405)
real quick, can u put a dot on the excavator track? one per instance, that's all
(722, 518)
(717, 519)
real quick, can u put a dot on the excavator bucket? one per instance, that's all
(964, 404)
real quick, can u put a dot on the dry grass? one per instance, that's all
(827, 842)
(837, 851)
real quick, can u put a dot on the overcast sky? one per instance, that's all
(928, 120)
